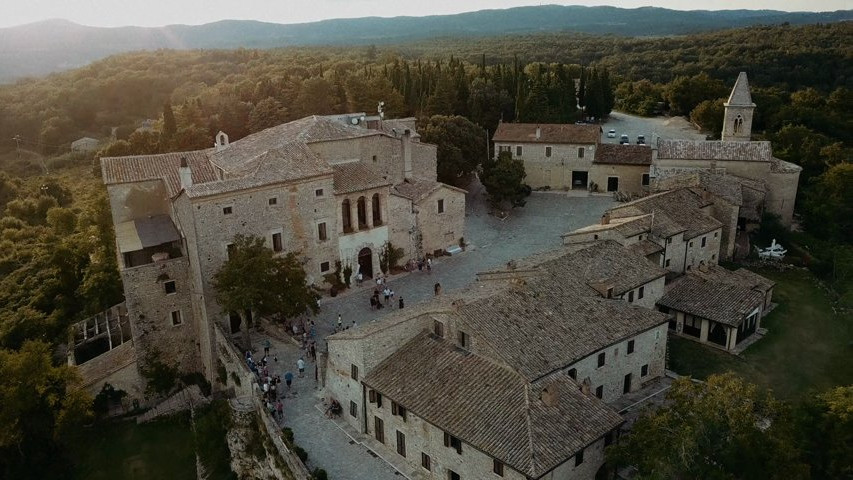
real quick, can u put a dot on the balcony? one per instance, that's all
(148, 240)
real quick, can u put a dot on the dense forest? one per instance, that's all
(58, 263)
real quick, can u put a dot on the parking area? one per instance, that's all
(651, 127)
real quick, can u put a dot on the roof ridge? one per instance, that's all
(529, 427)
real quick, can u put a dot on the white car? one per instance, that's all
(611, 134)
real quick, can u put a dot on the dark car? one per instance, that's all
(641, 139)
(624, 140)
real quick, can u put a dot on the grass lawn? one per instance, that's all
(160, 449)
(808, 348)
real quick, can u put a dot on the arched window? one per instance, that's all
(346, 220)
(361, 208)
(738, 124)
(377, 210)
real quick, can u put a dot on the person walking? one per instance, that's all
(429, 265)
(267, 346)
(288, 379)
(340, 323)
(300, 364)
(401, 303)
(279, 408)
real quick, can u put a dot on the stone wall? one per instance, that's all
(652, 292)
(441, 230)
(697, 254)
(630, 177)
(401, 232)
(150, 311)
(116, 367)
(727, 214)
(554, 171)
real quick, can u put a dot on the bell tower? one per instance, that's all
(737, 122)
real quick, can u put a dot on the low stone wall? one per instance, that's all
(235, 365)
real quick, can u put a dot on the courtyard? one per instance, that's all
(492, 242)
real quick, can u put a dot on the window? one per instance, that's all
(595, 237)
(580, 152)
(463, 338)
(227, 210)
(667, 262)
(639, 237)
(361, 212)
(426, 462)
(714, 256)
(353, 372)
(346, 216)
(401, 443)
(601, 359)
(547, 151)
(379, 429)
(374, 159)
(353, 409)
(630, 347)
(715, 234)
(438, 328)
(599, 391)
(176, 318)
(690, 245)
(371, 395)
(321, 232)
(273, 201)
(579, 458)
(630, 296)
(399, 410)
(276, 242)
(645, 180)
(229, 250)
(669, 240)
(324, 267)
(378, 400)
(518, 151)
(704, 242)
(644, 370)
(318, 192)
(573, 373)
(610, 292)
(641, 292)
(170, 287)
(453, 442)
(498, 468)
(441, 206)
(376, 208)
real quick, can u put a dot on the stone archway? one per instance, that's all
(365, 262)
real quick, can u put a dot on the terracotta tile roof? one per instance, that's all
(714, 150)
(490, 407)
(721, 302)
(645, 247)
(548, 133)
(740, 277)
(781, 166)
(356, 176)
(291, 161)
(608, 153)
(140, 168)
(545, 324)
(674, 211)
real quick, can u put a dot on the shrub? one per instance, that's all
(301, 453)
(319, 474)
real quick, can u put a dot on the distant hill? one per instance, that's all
(55, 45)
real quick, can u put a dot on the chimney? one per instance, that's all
(407, 153)
(538, 133)
(549, 396)
(186, 174)
(605, 219)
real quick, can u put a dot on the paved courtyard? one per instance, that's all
(492, 243)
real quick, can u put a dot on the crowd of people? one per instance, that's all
(270, 383)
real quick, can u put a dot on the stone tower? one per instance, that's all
(737, 123)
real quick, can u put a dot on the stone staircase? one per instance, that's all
(185, 399)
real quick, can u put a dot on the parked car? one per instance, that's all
(624, 140)
(641, 139)
(611, 134)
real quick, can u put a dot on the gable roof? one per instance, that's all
(548, 133)
(490, 407)
(740, 277)
(357, 176)
(721, 302)
(740, 96)
(759, 151)
(674, 211)
(615, 154)
(140, 168)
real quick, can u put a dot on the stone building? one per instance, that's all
(512, 376)
(736, 155)
(675, 229)
(569, 156)
(333, 189)
(718, 307)
(84, 144)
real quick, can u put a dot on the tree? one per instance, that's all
(825, 427)
(255, 280)
(267, 113)
(461, 146)
(42, 405)
(503, 179)
(685, 93)
(709, 116)
(829, 204)
(170, 126)
(722, 429)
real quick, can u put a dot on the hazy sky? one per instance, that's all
(111, 13)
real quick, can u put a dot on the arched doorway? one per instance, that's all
(365, 262)
(718, 334)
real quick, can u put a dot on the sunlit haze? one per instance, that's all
(112, 13)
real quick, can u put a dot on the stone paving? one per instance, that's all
(492, 243)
